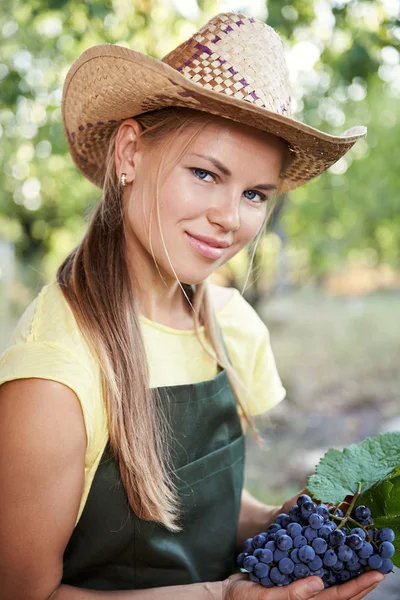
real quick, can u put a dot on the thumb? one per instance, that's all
(303, 589)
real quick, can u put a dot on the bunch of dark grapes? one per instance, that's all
(317, 539)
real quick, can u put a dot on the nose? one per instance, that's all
(225, 212)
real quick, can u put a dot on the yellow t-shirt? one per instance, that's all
(48, 344)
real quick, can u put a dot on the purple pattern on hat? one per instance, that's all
(99, 123)
(81, 127)
(89, 124)
(244, 82)
(240, 22)
(203, 49)
(252, 20)
(187, 62)
(229, 28)
(195, 56)
(233, 71)
(216, 39)
(254, 95)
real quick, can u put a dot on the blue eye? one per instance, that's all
(263, 198)
(202, 174)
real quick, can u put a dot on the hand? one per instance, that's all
(238, 587)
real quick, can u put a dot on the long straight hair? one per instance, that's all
(95, 280)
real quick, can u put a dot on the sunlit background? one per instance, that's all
(327, 275)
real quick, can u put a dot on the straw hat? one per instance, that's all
(233, 67)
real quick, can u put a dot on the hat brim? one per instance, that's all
(109, 83)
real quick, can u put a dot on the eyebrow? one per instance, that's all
(218, 164)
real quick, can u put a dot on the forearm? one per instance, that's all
(195, 591)
(254, 518)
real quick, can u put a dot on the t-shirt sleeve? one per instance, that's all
(266, 385)
(249, 348)
(50, 361)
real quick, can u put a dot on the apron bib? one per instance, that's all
(112, 549)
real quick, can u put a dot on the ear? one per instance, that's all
(126, 149)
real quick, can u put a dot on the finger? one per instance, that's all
(355, 588)
(303, 589)
(367, 591)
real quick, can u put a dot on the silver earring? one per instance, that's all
(123, 179)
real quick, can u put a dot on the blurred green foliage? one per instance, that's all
(345, 64)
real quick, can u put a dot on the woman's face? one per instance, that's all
(219, 189)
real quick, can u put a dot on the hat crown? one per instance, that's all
(238, 56)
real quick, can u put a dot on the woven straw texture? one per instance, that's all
(233, 67)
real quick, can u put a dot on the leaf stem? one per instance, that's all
(350, 509)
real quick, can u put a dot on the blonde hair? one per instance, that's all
(95, 281)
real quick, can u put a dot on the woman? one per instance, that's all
(130, 379)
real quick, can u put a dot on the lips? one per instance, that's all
(211, 241)
(204, 248)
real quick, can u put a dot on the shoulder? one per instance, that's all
(221, 295)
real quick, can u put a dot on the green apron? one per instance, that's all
(112, 549)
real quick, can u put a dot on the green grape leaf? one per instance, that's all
(384, 501)
(339, 474)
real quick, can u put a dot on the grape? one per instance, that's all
(386, 567)
(249, 563)
(299, 541)
(259, 541)
(266, 556)
(301, 570)
(316, 521)
(284, 542)
(325, 531)
(286, 566)
(318, 573)
(345, 553)
(294, 514)
(294, 555)
(336, 511)
(307, 509)
(266, 582)
(310, 533)
(315, 564)
(386, 550)
(354, 541)
(366, 550)
(330, 558)
(319, 545)
(360, 532)
(240, 559)
(278, 554)
(253, 578)
(362, 513)
(337, 538)
(261, 570)
(274, 527)
(270, 546)
(303, 498)
(276, 576)
(283, 519)
(375, 561)
(386, 535)
(322, 510)
(343, 575)
(338, 566)
(306, 554)
(294, 529)
(248, 546)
